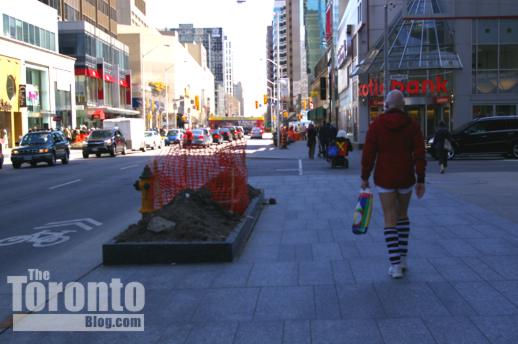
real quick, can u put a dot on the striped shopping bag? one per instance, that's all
(363, 212)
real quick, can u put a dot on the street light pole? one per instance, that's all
(142, 78)
(167, 96)
(385, 50)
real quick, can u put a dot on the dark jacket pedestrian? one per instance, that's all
(441, 139)
(311, 134)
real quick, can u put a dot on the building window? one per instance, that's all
(495, 47)
(506, 110)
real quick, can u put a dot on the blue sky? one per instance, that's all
(244, 23)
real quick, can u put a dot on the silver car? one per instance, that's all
(201, 137)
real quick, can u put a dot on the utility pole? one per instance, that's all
(385, 51)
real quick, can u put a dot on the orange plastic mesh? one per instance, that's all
(221, 168)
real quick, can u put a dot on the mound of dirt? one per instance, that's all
(196, 216)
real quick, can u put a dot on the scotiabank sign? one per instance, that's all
(411, 87)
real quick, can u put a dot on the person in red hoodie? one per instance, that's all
(395, 149)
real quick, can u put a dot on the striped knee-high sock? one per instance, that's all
(403, 230)
(392, 240)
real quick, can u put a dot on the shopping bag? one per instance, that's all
(332, 151)
(447, 145)
(362, 212)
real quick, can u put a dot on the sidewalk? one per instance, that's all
(295, 150)
(305, 278)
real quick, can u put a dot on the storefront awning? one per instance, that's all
(98, 114)
(414, 44)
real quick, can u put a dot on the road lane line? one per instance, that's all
(300, 167)
(129, 166)
(286, 169)
(64, 184)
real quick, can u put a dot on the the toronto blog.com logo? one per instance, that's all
(40, 304)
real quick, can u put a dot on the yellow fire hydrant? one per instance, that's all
(144, 184)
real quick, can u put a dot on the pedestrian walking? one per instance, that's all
(5, 139)
(395, 146)
(442, 145)
(324, 139)
(311, 141)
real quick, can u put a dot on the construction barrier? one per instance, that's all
(221, 168)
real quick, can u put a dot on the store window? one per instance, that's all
(482, 110)
(506, 110)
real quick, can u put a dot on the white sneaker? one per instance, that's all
(395, 271)
(403, 263)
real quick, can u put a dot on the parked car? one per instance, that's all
(217, 136)
(256, 133)
(201, 137)
(240, 131)
(1, 156)
(226, 134)
(41, 146)
(104, 141)
(234, 132)
(485, 135)
(152, 139)
(174, 136)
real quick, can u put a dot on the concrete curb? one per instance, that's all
(155, 252)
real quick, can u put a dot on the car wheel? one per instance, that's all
(52, 160)
(66, 158)
(514, 150)
(154, 146)
(16, 165)
(124, 149)
(85, 155)
(113, 151)
(34, 164)
(98, 155)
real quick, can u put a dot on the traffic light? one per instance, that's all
(265, 99)
(256, 104)
(197, 103)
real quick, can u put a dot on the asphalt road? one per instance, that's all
(32, 200)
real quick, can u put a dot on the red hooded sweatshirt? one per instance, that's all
(395, 144)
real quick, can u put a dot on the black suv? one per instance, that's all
(497, 134)
(104, 141)
(41, 146)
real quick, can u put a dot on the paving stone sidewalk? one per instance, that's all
(305, 278)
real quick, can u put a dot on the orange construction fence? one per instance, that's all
(221, 168)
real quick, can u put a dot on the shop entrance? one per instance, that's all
(429, 116)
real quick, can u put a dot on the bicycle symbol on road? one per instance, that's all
(47, 237)
(40, 239)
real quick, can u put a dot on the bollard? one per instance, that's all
(144, 184)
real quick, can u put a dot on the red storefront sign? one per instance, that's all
(412, 87)
(91, 73)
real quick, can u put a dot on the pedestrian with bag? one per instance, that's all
(311, 140)
(442, 145)
(395, 146)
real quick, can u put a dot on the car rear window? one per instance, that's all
(100, 134)
(197, 132)
(172, 132)
(35, 139)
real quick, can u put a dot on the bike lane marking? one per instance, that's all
(46, 237)
(129, 166)
(64, 184)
